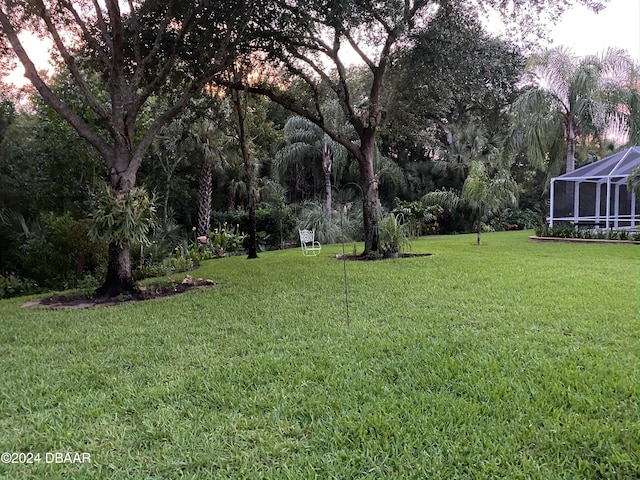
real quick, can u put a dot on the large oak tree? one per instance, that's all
(309, 41)
(138, 49)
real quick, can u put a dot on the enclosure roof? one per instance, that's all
(616, 167)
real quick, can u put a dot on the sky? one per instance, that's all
(580, 29)
(585, 32)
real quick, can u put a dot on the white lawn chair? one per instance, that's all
(308, 243)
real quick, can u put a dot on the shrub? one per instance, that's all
(224, 241)
(394, 233)
(444, 222)
(326, 225)
(541, 231)
(420, 219)
(59, 251)
(46, 254)
(516, 219)
(569, 231)
(12, 286)
(180, 262)
(148, 258)
(274, 225)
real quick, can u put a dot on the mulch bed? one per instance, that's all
(146, 292)
(373, 258)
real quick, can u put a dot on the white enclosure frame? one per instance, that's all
(609, 177)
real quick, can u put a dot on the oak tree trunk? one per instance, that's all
(327, 166)
(119, 279)
(370, 201)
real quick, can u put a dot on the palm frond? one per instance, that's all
(448, 199)
(633, 181)
(388, 171)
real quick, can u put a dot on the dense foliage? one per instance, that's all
(365, 139)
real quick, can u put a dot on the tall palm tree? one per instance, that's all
(233, 179)
(213, 144)
(483, 195)
(633, 105)
(568, 99)
(305, 141)
(633, 182)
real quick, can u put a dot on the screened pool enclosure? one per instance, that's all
(596, 195)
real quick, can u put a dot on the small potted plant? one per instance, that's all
(393, 235)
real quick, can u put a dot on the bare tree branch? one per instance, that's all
(70, 62)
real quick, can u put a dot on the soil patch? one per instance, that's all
(367, 258)
(146, 292)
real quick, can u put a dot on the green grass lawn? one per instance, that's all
(513, 360)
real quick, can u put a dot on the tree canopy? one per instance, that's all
(120, 55)
(570, 99)
(420, 89)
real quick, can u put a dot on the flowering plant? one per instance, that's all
(225, 241)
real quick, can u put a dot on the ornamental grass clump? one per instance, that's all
(394, 234)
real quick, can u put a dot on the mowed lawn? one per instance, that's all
(513, 360)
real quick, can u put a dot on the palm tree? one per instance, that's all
(233, 178)
(633, 182)
(633, 104)
(569, 99)
(467, 143)
(305, 141)
(483, 195)
(169, 150)
(212, 143)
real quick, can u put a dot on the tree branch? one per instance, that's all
(292, 106)
(70, 62)
(90, 39)
(77, 122)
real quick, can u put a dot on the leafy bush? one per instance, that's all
(161, 243)
(394, 233)
(444, 223)
(12, 286)
(182, 261)
(47, 252)
(187, 255)
(326, 225)
(516, 219)
(569, 231)
(224, 241)
(274, 225)
(56, 251)
(420, 219)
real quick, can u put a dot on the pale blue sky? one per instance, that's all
(586, 32)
